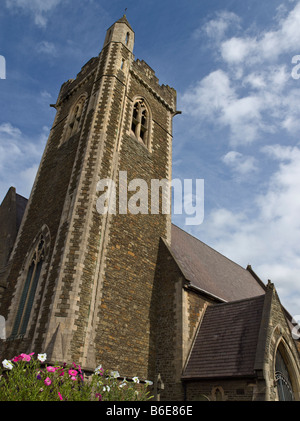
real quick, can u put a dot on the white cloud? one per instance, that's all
(216, 28)
(46, 95)
(19, 158)
(46, 47)
(28, 176)
(210, 96)
(216, 98)
(235, 50)
(243, 115)
(9, 130)
(239, 163)
(38, 8)
(269, 240)
(252, 92)
(251, 96)
(268, 45)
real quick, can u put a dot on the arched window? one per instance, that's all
(218, 393)
(140, 121)
(74, 118)
(282, 377)
(29, 289)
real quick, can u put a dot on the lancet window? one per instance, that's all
(29, 289)
(140, 121)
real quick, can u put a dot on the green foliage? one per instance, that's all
(25, 378)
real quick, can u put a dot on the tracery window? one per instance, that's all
(282, 377)
(29, 289)
(140, 121)
(74, 118)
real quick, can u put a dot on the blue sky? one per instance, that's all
(231, 64)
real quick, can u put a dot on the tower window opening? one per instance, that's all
(127, 38)
(139, 124)
(74, 118)
(133, 127)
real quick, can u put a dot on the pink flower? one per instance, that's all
(73, 378)
(81, 376)
(73, 372)
(23, 357)
(60, 397)
(47, 381)
(99, 396)
(26, 357)
(50, 369)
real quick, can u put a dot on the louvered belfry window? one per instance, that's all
(30, 286)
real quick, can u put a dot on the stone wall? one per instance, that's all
(223, 390)
(279, 336)
(126, 316)
(179, 313)
(97, 299)
(169, 357)
(55, 181)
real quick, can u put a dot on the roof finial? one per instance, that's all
(125, 11)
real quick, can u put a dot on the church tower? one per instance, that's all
(80, 283)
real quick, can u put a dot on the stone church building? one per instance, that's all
(132, 292)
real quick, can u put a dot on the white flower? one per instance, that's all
(122, 384)
(115, 374)
(98, 369)
(148, 382)
(7, 364)
(106, 389)
(42, 357)
(135, 379)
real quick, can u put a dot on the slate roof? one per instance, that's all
(226, 343)
(210, 271)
